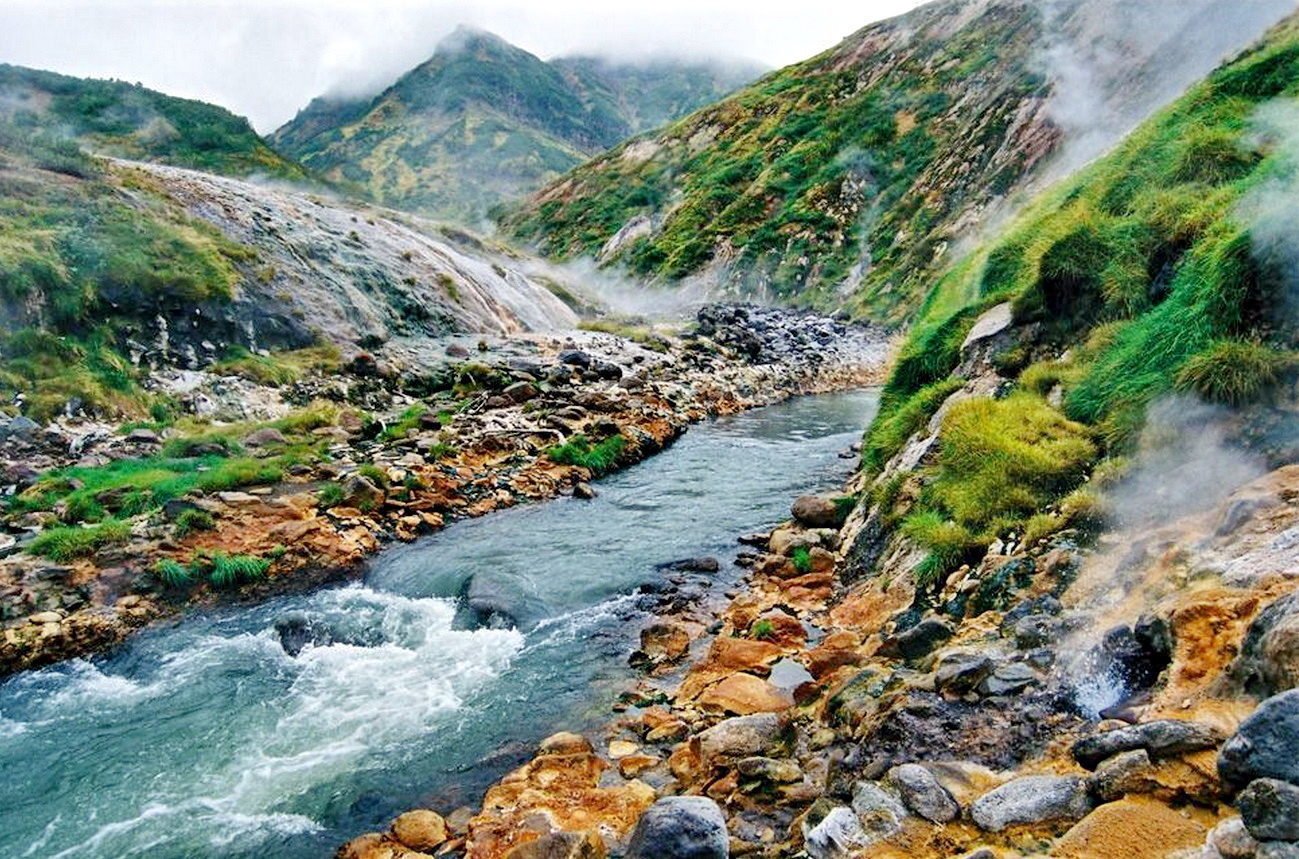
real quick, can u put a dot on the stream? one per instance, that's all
(204, 737)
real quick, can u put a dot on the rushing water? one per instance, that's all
(205, 738)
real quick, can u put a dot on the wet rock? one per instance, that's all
(1269, 655)
(1008, 680)
(421, 830)
(488, 604)
(1160, 739)
(1264, 744)
(744, 694)
(918, 641)
(560, 845)
(744, 736)
(297, 632)
(836, 836)
(1032, 799)
(680, 827)
(520, 392)
(1270, 809)
(817, 511)
(662, 643)
(584, 491)
(961, 673)
(575, 358)
(1035, 630)
(922, 794)
(704, 564)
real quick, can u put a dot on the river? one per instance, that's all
(203, 737)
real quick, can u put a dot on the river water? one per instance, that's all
(205, 738)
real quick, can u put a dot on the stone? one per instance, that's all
(879, 812)
(918, 641)
(1264, 745)
(664, 642)
(817, 511)
(680, 827)
(836, 836)
(994, 321)
(143, 435)
(1270, 809)
(43, 617)
(361, 492)
(420, 829)
(622, 748)
(560, 845)
(1277, 850)
(1269, 655)
(1126, 772)
(1161, 739)
(961, 673)
(922, 794)
(520, 392)
(565, 743)
(1032, 799)
(370, 846)
(575, 358)
(1232, 840)
(770, 770)
(584, 491)
(265, 437)
(744, 694)
(635, 764)
(744, 736)
(1132, 827)
(1008, 680)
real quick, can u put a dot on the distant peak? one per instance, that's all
(467, 36)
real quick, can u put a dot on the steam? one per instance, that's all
(1268, 208)
(1114, 62)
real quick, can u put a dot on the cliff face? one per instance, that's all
(845, 180)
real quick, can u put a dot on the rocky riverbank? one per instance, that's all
(1132, 694)
(396, 464)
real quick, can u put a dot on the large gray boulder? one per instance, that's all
(1032, 799)
(1270, 809)
(1265, 745)
(743, 736)
(1269, 655)
(680, 827)
(1160, 739)
(922, 793)
(836, 836)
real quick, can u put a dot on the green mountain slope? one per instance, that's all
(1165, 267)
(483, 121)
(845, 180)
(128, 121)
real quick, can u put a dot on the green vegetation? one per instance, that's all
(173, 573)
(330, 495)
(801, 558)
(69, 543)
(129, 121)
(193, 520)
(628, 330)
(228, 571)
(599, 458)
(1142, 270)
(280, 368)
(762, 630)
(817, 165)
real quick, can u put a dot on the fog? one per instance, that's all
(265, 59)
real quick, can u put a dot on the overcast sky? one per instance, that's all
(267, 58)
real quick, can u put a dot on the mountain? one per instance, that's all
(483, 121)
(1099, 324)
(107, 268)
(129, 121)
(853, 178)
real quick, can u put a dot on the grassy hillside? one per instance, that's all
(855, 178)
(483, 121)
(1164, 267)
(128, 121)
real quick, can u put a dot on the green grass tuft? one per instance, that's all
(599, 458)
(1233, 372)
(63, 544)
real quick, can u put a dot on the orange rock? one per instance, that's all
(743, 694)
(633, 765)
(420, 829)
(1133, 827)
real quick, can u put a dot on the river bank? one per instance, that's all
(396, 470)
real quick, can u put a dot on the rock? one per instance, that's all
(837, 836)
(1126, 772)
(41, 618)
(1270, 809)
(265, 437)
(680, 827)
(743, 694)
(142, 435)
(921, 792)
(1035, 630)
(770, 770)
(1269, 655)
(744, 736)
(21, 427)
(918, 641)
(361, 492)
(1277, 850)
(575, 358)
(456, 350)
(520, 392)
(1032, 799)
(1161, 739)
(560, 845)
(584, 491)
(1131, 827)
(1008, 680)
(664, 642)
(1264, 745)
(420, 830)
(990, 324)
(565, 743)
(960, 673)
(1232, 840)
(702, 564)
(370, 846)
(817, 511)
(879, 812)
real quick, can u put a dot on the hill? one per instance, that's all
(483, 121)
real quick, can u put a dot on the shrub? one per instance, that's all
(192, 520)
(579, 451)
(69, 543)
(801, 558)
(1233, 372)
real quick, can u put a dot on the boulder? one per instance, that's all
(993, 322)
(575, 358)
(1160, 739)
(680, 827)
(1032, 799)
(918, 641)
(744, 736)
(560, 845)
(1264, 745)
(961, 673)
(1270, 809)
(584, 491)
(836, 836)
(817, 511)
(663, 642)
(1231, 840)
(265, 437)
(420, 829)
(1269, 655)
(743, 694)
(1277, 850)
(921, 792)
(776, 771)
(1009, 680)
(361, 492)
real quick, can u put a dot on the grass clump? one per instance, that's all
(801, 558)
(173, 573)
(71, 542)
(599, 458)
(908, 415)
(228, 571)
(330, 495)
(761, 630)
(1233, 372)
(192, 520)
(374, 474)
